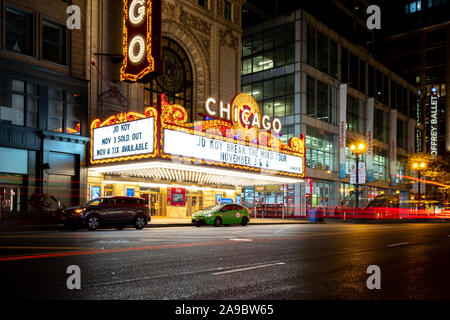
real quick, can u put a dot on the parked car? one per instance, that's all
(118, 211)
(222, 214)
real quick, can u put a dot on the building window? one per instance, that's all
(414, 6)
(380, 165)
(275, 96)
(203, 3)
(381, 126)
(402, 131)
(53, 42)
(320, 149)
(19, 31)
(321, 100)
(401, 171)
(64, 111)
(19, 103)
(227, 10)
(177, 82)
(287, 132)
(356, 115)
(321, 52)
(272, 48)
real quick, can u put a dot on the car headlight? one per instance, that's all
(78, 211)
(209, 214)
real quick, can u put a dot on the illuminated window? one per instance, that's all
(320, 149)
(64, 111)
(177, 81)
(19, 103)
(269, 49)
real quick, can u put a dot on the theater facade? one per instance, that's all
(180, 167)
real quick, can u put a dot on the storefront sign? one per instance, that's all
(141, 39)
(217, 151)
(434, 126)
(123, 140)
(227, 200)
(176, 197)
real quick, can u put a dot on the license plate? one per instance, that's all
(197, 220)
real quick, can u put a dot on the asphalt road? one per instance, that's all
(311, 261)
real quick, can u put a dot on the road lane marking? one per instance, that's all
(241, 240)
(249, 268)
(45, 248)
(397, 244)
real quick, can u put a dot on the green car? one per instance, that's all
(219, 214)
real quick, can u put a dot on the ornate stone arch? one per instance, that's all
(197, 56)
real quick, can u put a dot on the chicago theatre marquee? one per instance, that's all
(185, 150)
(182, 166)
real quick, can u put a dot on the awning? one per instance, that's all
(179, 172)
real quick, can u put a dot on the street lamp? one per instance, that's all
(358, 149)
(419, 167)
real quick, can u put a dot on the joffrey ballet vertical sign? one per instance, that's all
(434, 125)
(141, 39)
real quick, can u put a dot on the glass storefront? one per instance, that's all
(269, 201)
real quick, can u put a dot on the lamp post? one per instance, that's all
(419, 167)
(358, 149)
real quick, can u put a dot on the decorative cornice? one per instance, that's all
(53, 135)
(177, 13)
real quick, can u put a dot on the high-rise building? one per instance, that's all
(415, 42)
(334, 92)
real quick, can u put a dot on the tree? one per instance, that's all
(437, 170)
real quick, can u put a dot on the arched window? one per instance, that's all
(177, 80)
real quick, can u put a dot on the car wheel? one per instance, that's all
(198, 224)
(244, 221)
(218, 222)
(93, 222)
(139, 222)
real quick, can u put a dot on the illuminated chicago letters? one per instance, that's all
(247, 115)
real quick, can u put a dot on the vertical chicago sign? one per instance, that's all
(141, 39)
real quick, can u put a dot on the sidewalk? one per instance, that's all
(156, 222)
